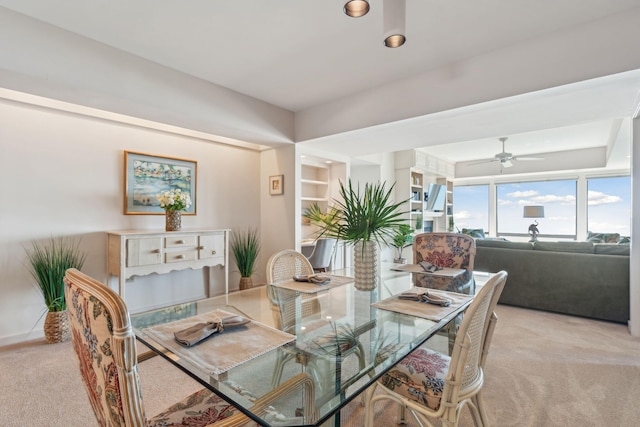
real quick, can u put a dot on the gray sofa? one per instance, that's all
(578, 278)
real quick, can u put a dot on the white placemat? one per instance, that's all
(222, 351)
(312, 288)
(423, 309)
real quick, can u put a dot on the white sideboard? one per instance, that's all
(142, 252)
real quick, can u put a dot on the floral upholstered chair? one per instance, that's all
(104, 343)
(448, 250)
(435, 385)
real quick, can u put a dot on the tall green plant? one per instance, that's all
(48, 264)
(359, 216)
(245, 246)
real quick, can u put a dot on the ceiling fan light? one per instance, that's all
(356, 8)
(394, 16)
(507, 163)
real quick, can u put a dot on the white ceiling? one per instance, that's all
(303, 54)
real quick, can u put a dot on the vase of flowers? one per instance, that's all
(174, 202)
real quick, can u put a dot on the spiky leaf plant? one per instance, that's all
(48, 263)
(358, 216)
(245, 246)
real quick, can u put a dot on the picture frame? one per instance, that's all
(276, 185)
(146, 175)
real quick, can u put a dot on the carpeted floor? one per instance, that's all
(544, 370)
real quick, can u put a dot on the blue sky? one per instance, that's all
(609, 207)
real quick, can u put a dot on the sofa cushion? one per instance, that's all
(603, 237)
(477, 233)
(503, 244)
(574, 247)
(611, 249)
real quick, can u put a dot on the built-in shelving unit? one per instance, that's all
(418, 170)
(314, 180)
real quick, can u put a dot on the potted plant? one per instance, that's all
(402, 239)
(48, 264)
(173, 202)
(364, 220)
(245, 246)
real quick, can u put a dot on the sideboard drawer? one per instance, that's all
(211, 246)
(180, 256)
(180, 241)
(144, 251)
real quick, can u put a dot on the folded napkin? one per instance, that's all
(428, 267)
(428, 297)
(200, 331)
(312, 278)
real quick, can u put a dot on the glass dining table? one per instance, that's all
(309, 349)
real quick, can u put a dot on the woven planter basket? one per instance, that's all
(56, 327)
(246, 283)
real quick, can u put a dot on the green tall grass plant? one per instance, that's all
(245, 246)
(48, 263)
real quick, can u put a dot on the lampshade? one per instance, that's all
(394, 15)
(533, 212)
(356, 8)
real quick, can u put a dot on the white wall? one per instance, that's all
(62, 174)
(634, 294)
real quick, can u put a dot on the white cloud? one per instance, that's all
(595, 198)
(458, 216)
(503, 202)
(517, 194)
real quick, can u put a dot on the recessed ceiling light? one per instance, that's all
(356, 8)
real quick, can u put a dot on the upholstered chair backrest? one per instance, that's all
(105, 346)
(322, 253)
(450, 250)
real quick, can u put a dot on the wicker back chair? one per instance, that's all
(286, 264)
(449, 250)
(431, 384)
(281, 267)
(105, 346)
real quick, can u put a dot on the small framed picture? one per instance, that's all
(276, 185)
(146, 175)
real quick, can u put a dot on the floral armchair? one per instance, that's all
(448, 250)
(105, 346)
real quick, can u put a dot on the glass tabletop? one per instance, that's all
(333, 338)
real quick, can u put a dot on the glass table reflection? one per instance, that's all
(342, 344)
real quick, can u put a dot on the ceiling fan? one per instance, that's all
(506, 159)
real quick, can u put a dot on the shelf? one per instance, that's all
(314, 199)
(314, 182)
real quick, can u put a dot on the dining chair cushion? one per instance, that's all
(419, 377)
(202, 408)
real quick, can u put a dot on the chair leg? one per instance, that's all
(481, 417)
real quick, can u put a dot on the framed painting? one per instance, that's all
(146, 175)
(276, 184)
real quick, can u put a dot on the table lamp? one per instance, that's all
(533, 212)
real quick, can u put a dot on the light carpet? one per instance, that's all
(544, 369)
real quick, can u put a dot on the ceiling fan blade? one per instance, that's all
(484, 161)
(527, 158)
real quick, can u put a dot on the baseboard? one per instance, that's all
(35, 334)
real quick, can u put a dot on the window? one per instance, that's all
(557, 197)
(471, 207)
(609, 205)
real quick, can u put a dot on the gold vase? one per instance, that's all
(56, 327)
(173, 220)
